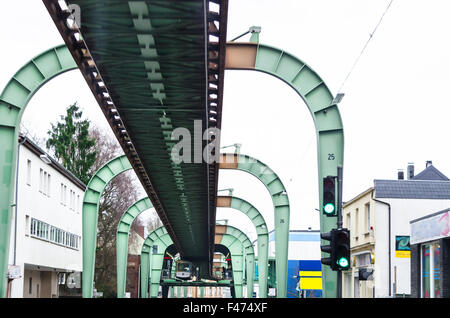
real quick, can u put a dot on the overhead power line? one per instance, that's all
(365, 46)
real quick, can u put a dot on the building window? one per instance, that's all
(53, 234)
(41, 180)
(63, 194)
(356, 223)
(30, 285)
(348, 220)
(430, 270)
(29, 172)
(44, 182)
(44, 186)
(367, 216)
(78, 203)
(48, 184)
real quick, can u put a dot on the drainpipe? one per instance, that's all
(389, 231)
(17, 197)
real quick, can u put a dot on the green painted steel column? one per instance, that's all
(325, 113)
(123, 232)
(237, 242)
(162, 241)
(237, 259)
(13, 102)
(280, 202)
(249, 253)
(91, 200)
(327, 120)
(145, 266)
(202, 291)
(263, 236)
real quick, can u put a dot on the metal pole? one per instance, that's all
(339, 223)
(339, 203)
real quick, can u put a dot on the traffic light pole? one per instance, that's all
(339, 223)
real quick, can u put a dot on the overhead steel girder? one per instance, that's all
(13, 101)
(263, 236)
(160, 65)
(91, 201)
(280, 202)
(123, 231)
(319, 100)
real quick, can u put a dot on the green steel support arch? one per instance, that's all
(319, 100)
(91, 200)
(123, 232)
(13, 102)
(162, 241)
(237, 235)
(151, 264)
(145, 265)
(280, 202)
(261, 229)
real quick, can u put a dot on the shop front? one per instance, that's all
(430, 255)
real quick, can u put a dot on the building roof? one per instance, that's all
(431, 173)
(412, 189)
(346, 203)
(28, 143)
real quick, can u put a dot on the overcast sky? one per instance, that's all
(395, 108)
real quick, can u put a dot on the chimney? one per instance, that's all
(429, 163)
(400, 174)
(410, 171)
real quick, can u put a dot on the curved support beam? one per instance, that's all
(280, 202)
(242, 257)
(91, 200)
(161, 241)
(123, 232)
(319, 100)
(13, 102)
(145, 266)
(263, 236)
(234, 239)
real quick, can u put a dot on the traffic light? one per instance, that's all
(327, 249)
(342, 248)
(339, 249)
(329, 197)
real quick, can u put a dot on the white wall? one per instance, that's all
(49, 209)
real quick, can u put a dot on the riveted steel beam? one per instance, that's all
(93, 76)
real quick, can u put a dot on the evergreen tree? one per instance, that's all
(71, 144)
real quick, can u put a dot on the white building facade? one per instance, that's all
(379, 224)
(45, 244)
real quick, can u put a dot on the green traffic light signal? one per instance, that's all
(343, 262)
(329, 197)
(329, 208)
